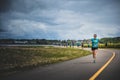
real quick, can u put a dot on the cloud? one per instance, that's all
(5, 5)
(63, 19)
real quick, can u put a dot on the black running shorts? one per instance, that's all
(94, 48)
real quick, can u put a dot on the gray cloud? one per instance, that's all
(61, 19)
(5, 5)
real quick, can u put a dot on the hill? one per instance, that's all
(110, 40)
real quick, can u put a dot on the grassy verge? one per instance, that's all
(109, 45)
(14, 59)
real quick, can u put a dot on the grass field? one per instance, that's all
(14, 59)
(109, 45)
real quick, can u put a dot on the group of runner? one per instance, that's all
(94, 47)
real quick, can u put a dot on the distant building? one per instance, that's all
(20, 42)
(32, 42)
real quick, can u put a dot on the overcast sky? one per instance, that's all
(59, 19)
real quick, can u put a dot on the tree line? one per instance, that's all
(56, 42)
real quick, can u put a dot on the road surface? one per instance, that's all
(77, 69)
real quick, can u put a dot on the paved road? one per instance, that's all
(77, 69)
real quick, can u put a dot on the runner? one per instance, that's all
(82, 45)
(95, 42)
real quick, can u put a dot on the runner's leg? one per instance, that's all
(94, 55)
(93, 51)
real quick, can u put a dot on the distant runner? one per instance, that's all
(95, 42)
(82, 45)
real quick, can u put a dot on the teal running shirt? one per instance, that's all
(95, 42)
